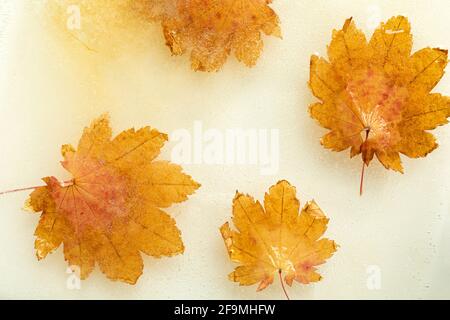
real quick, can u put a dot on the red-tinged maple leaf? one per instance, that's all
(375, 96)
(110, 211)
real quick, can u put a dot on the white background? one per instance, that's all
(52, 88)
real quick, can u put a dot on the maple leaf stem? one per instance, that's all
(282, 285)
(65, 183)
(18, 190)
(363, 166)
(362, 179)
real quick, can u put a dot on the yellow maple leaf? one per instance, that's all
(376, 96)
(109, 211)
(211, 29)
(276, 238)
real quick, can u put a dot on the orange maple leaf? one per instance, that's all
(276, 238)
(211, 29)
(208, 30)
(376, 96)
(110, 210)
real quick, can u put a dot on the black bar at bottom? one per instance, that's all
(223, 309)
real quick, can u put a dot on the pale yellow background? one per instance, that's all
(401, 225)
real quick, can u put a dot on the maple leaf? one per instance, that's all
(376, 96)
(276, 238)
(109, 211)
(211, 29)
